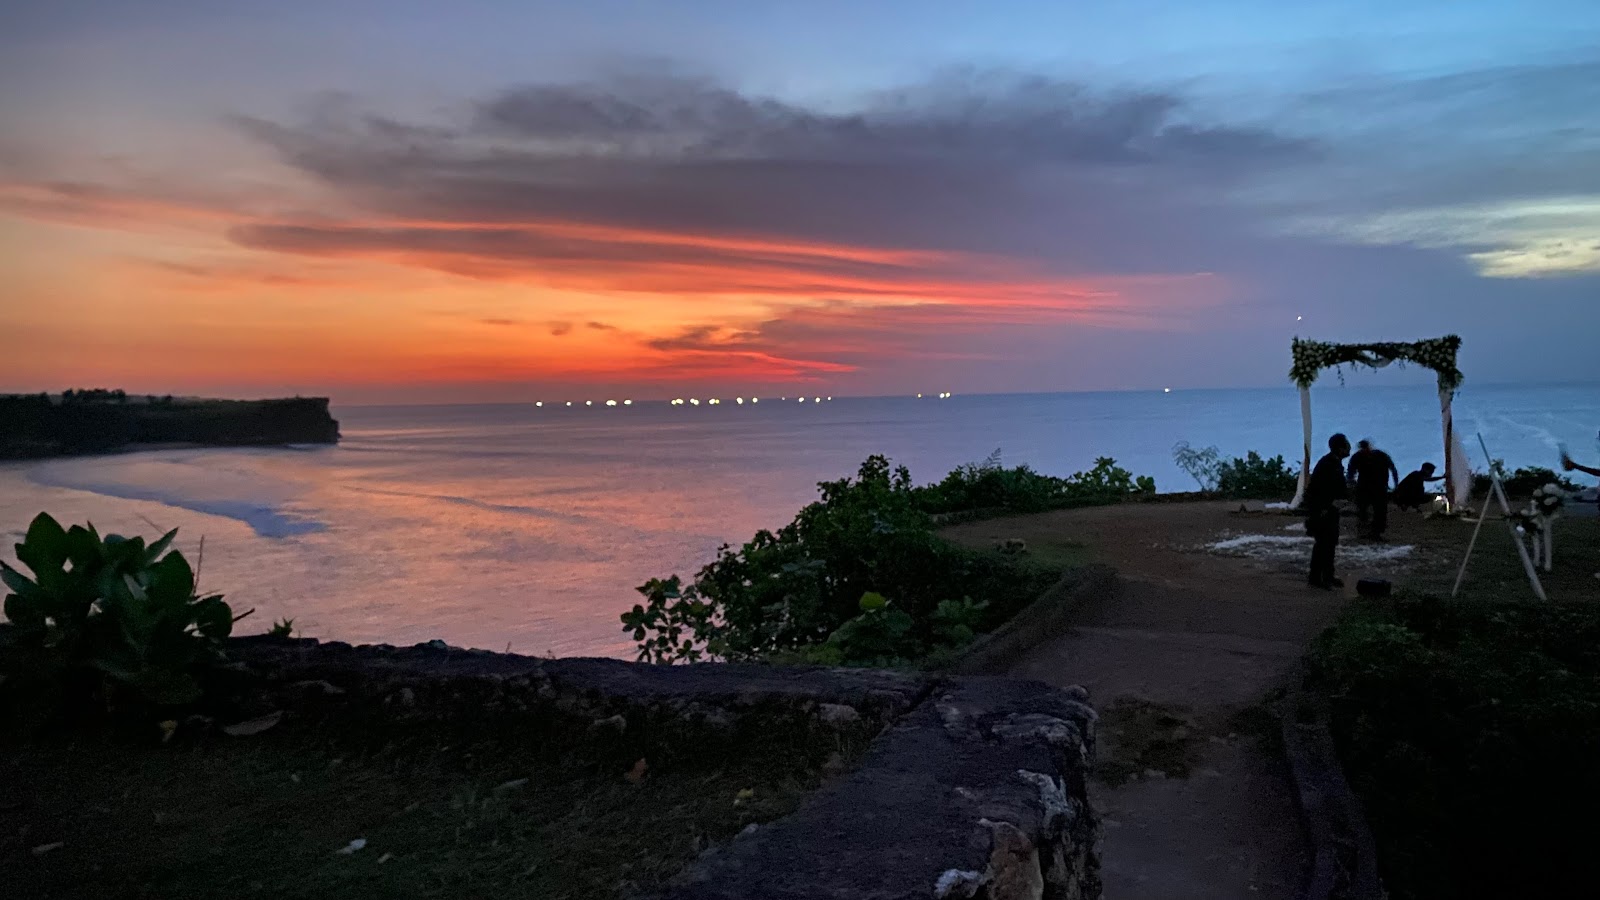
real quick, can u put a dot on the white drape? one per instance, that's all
(1305, 461)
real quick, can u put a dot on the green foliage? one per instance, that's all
(1203, 465)
(283, 628)
(1521, 482)
(1470, 730)
(112, 606)
(989, 486)
(1253, 477)
(788, 592)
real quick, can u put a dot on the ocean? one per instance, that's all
(524, 527)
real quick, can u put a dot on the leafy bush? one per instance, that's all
(1521, 482)
(790, 591)
(1253, 478)
(990, 486)
(1470, 731)
(113, 607)
(1203, 465)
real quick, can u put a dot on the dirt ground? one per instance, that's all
(1194, 795)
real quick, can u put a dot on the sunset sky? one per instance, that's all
(389, 199)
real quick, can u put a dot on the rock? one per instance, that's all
(958, 884)
(322, 686)
(1014, 872)
(837, 714)
(254, 726)
(834, 763)
(1054, 731)
(436, 644)
(617, 724)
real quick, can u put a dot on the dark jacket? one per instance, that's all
(1370, 470)
(1327, 485)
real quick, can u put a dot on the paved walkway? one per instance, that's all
(1201, 638)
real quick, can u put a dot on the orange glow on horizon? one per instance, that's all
(188, 294)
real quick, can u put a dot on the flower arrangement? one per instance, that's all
(1548, 500)
(1436, 354)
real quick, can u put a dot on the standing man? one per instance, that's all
(1370, 471)
(1568, 465)
(1323, 496)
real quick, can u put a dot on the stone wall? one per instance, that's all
(972, 787)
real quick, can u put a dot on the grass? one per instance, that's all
(1470, 729)
(265, 816)
(1495, 571)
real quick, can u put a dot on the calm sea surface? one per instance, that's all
(510, 525)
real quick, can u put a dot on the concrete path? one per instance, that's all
(1197, 640)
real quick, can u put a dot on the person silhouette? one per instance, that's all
(1412, 491)
(1325, 492)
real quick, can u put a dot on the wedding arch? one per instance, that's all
(1312, 358)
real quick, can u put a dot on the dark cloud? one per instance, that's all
(558, 329)
(599, 326)
(1004, 164)
(504, 322)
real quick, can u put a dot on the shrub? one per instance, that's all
(1204, 465)
(1253, 478)
(1521, 482)
(1470, 731)
(112, 607)
(790, 591)
(989, 486)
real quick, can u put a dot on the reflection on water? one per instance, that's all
(528, 526)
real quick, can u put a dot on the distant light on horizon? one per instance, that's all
(739, 400)
(588, 403)
(538, 403)
(755, 399)
(569, 402)
(802, 399)
(919, 396)
(611, 403)
(1166, 390)
(627, 403)
(694, 401)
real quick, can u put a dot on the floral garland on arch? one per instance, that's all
(1437, 354)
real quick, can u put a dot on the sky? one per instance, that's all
(508, 200)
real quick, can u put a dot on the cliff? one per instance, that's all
(36, 425)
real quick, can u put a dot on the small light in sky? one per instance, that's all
(1299, 318)
(755, 399)
(693, 401)
(1166, 390)
(538, 403)
(816, 399)
(830, 398)
(588, 403)
(611, 403)
(714, 402)
(627, 403)
(569, 402)
(739, 400)
(919, 396)
(802, 399)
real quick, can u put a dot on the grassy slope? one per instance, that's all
(264, 815)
